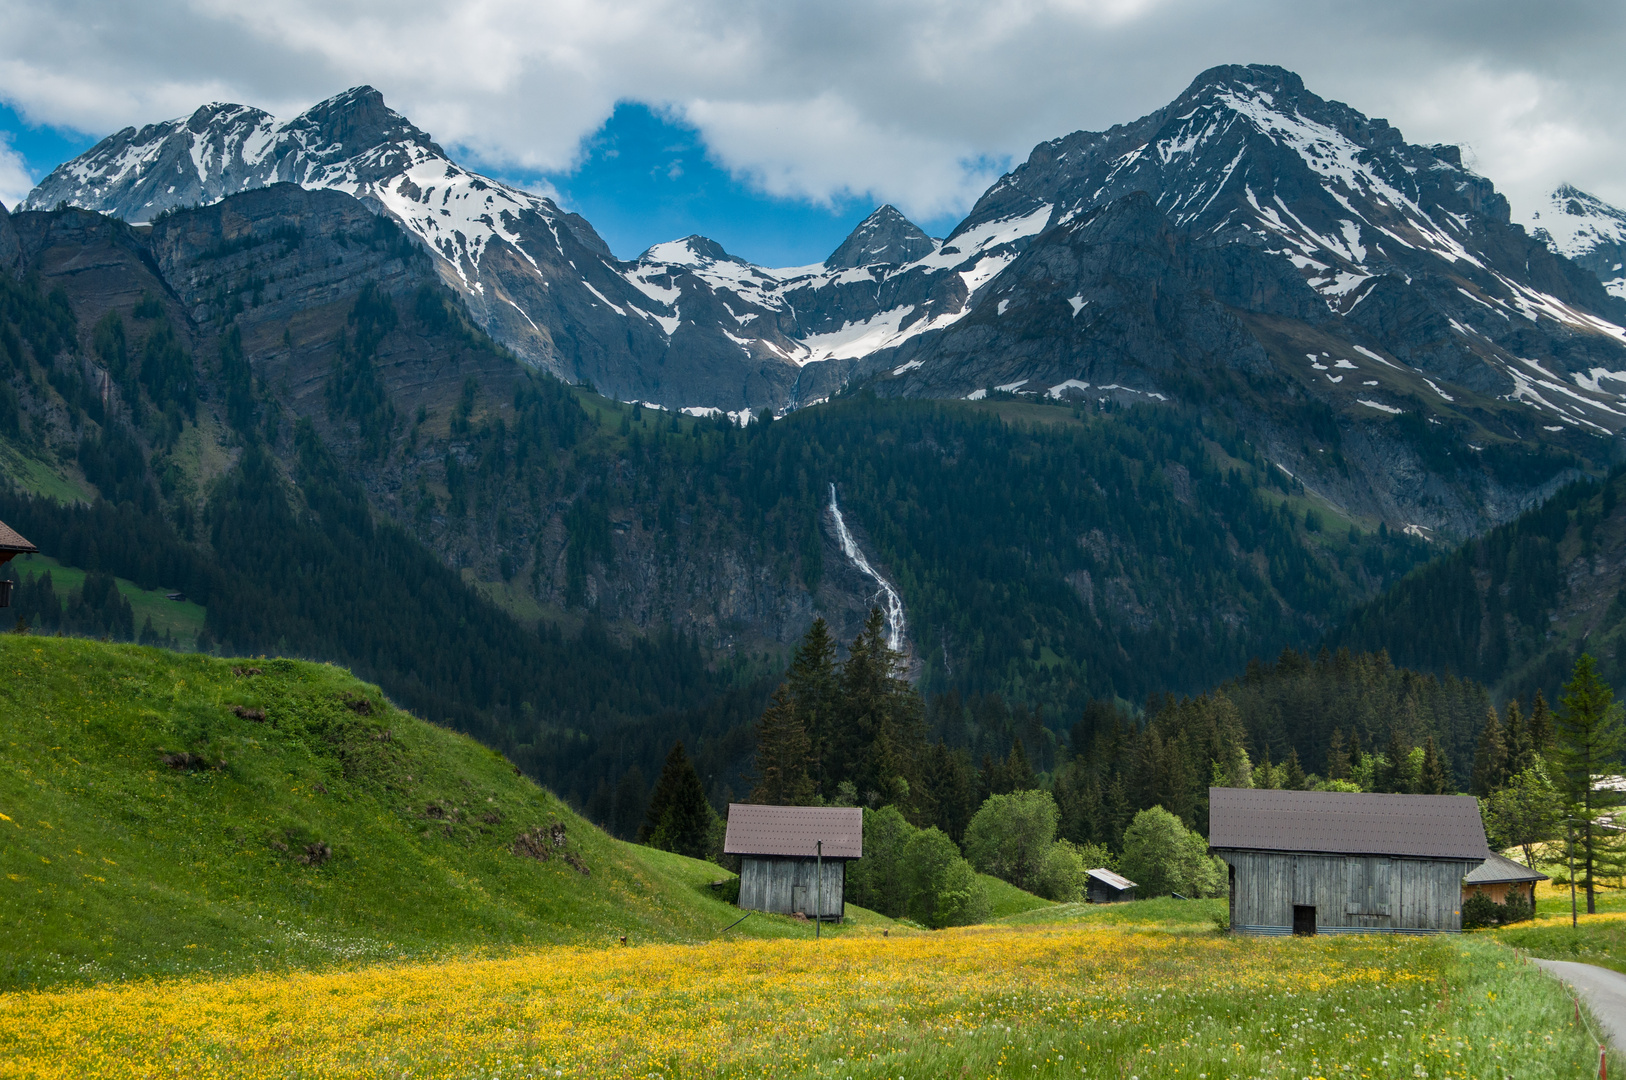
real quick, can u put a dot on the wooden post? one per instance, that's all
(1571, 850)
(818, 888)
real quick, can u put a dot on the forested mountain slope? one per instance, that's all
(1515, 607)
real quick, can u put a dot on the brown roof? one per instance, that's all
(11, 540)
(1345, 823)
(794, 830)
(1498, 869)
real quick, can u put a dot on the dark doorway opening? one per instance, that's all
(1304, 920)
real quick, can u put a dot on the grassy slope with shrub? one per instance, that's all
(115, 864)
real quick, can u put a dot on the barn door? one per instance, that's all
(1304, 920)
(798, 899)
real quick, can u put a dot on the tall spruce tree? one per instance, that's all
(1521, 751)
(813, 691)
(1337, 757)
(1431, 781)
(1589, 739)
(1541, 724)
(1490, 760)
(1295, 779)
(679, 817)
(783, 754)
(1390, 776)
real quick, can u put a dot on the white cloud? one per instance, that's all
(905, 100)
(15, 180)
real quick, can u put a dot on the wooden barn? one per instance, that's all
(780, 857)
(1102, 886)
(1498, 876)
(1325, 862)
(11, 545)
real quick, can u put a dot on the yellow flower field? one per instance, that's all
(1039, 1001)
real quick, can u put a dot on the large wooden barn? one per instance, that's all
(1323, 862)
(779, 849)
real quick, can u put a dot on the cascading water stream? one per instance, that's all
(893, 607)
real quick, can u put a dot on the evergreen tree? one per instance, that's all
(1355, 750)
(1490, 762)
(812, 686)
(1541, 724)
(1589, 739)
(1263, 775)
(1521, 751)
(1337, 757)
(679, 817)
(783, 751)
(1432, 781)
(1390, 776)
(1018, 771)
(1295, 779)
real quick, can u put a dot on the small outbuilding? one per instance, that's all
(1102, 886)
(11, 545)
(1327, 862)
(782, 851)
(1499, 877)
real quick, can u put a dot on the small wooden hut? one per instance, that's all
(1102, 886)
(1328, 862)
(782, 851)
(11, 545)
(1498, 876)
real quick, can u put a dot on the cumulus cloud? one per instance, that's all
(916, 102)
(15, 180)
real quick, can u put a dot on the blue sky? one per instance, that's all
(642, 178)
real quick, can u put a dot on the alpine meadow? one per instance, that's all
(1149, 605)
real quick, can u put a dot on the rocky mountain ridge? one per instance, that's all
(1365, 306)
(1588, 231)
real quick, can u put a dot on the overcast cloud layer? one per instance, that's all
(915, 102)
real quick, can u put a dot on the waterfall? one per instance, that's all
(893, 606)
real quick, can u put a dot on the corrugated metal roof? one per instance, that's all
(1117, 881)
(1345, 823)
(794, 830)
(1499, 869)
(11, 540)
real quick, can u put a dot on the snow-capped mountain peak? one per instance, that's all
(1587, 230)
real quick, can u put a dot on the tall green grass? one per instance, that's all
(337, 830)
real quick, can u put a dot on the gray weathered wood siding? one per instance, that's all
(786, 886)
(1350, 893)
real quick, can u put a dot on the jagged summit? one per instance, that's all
(885, 237)
(1586, 229)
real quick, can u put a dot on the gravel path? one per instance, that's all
(1604, 992)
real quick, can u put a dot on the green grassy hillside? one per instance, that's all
(154, 823)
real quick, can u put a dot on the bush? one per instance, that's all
(1011, 837)
(943, 889)
(1162, 856)
(1480, 910)
(878, 880)
(1062, 879)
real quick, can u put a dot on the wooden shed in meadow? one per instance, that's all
(1102, 886)
(1326, 862)
(780, 857)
